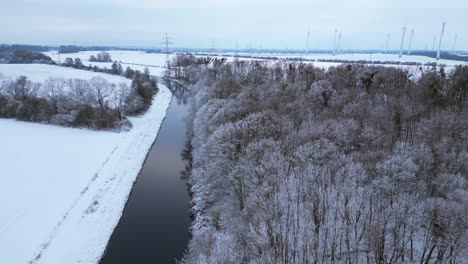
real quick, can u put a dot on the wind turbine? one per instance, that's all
(410, 40)
(339, 43)
(403, 32)
(334, 43)
(386, 43)
(308, 36)
(455, 41)
(440, 40)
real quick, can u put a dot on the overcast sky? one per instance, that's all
(251, 24)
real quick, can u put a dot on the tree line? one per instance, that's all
(13, 55)
(289, 163)
(115, 69)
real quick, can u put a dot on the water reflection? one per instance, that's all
(178, 90)
(155, 225)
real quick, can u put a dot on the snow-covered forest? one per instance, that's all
(357, 164)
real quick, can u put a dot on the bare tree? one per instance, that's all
(366, 166)
(56, 91)
(82, 93)
(102, 90)
(22, 88)
(119, 99)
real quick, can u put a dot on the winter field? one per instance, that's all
(156, 63)
(351, 57)
(64, 189)
(42, 72)
(137, 60)
(414, 70)
(315, 57)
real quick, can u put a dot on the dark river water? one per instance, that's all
(155, 225)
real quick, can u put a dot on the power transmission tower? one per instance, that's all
(167, 41)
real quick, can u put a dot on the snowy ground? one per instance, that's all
(414, 70)
(42, 72)
(352, 57)
(156, 62)
(63, 190)
(136, 60)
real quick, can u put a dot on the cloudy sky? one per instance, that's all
(246, 23)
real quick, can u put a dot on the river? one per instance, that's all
(155, 224)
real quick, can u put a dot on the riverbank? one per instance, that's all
(154, 227)
(64, 189)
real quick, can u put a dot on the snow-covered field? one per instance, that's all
(313, 58)
(353, 57)
(156, 62)
(136, 60)
(63, 190)
(42, 72)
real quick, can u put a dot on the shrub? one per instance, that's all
(3, 106)
(106, 118)
(85, 116)
(34, 109)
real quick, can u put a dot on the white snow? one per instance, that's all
(42, 72)
(156, 63)
(63, 190)
(352, 57)
(313, 58)
(137, 60)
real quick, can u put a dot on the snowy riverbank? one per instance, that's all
(63, 190)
